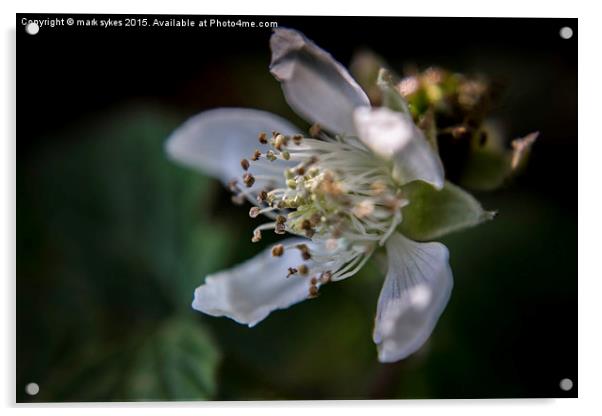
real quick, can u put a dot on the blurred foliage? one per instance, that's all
(112, 241)
(454, 111)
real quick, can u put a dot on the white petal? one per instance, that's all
(215, 141)
(394, 136)
(416, 290)
(250, 291)
(315, 85)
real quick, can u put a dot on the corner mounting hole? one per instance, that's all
(566, 32)
(32, 389)
(566, 384)
(32, 28)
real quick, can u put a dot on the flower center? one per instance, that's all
(329, 189)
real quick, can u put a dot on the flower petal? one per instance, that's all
(315, 85)
(215, 141)
(416, 290)
(394, 136)
(250, 291)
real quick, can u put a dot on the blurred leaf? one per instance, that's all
(122, 238)
(432, 214)
(177, 362)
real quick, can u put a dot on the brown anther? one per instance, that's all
(297, 139)
(256, 236)
(263, 138)
(280, 219)
(325, 277)
(270, 156)
(262, 196)
(248, 179)
(233, 185)
(313, 281)
(256, 155)
(280, 229)
(305, 225)
(314, 130)
(280, 141)
(305, 254)
(244, 163)
(300, 170)
(254, 212)
(277, 250)
(313, 291)
(291, 271)
(303, 269)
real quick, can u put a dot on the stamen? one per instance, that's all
(238, 199)
(313, 291)
(256, 155)
(297, 139)
(305, 254)
(325, 277)
(233, 185)
(244, 163)
(291, 271)
(277, 250)
(262, 196)
(314, 131)
(303, 269)
(254, 212)
(256, 236)
(263, 138)
(248, 179)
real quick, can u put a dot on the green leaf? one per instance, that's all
(432, 214)
(391, 97)
(117, 239)
(177, 362)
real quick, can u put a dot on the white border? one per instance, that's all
(590, 212)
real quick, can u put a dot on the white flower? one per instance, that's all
(339, 192)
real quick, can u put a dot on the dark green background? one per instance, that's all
(112, 238)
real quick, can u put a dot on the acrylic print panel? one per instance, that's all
(295, 208)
